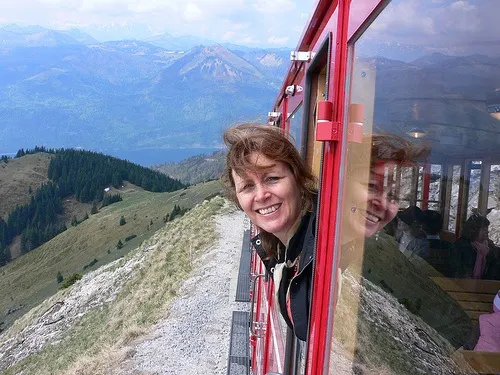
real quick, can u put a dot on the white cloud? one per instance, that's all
(248, 40)
(406, 17)
(277, 40)
(462, 5)
(243, 21)
(228, 35)
(240, 26)
(192, 13)
(148, 7)
(275, 6)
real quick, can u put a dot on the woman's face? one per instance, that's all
(272, 198)
(368, 207)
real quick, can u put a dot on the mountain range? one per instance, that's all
(64, 89)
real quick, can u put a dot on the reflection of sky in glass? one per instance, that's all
(435, 67)
(295, 127)
(410, 29)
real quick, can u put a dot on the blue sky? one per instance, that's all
(266, 23)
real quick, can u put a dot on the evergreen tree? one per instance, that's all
(122, 220)
(59, 277)
(119, 245)
(4, 255)
(20, 153)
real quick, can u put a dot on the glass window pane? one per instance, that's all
(296, 127)
(417, 269)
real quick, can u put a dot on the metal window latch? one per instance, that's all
(301, 56)
(293, 89)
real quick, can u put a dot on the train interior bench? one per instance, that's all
(476, 298)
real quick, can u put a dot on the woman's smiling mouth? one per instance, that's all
(371, 218)
(268, 210)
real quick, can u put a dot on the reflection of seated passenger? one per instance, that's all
(474, 255)
(489, 327)
(439, 250)
(413, 239)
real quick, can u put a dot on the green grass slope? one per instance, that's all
(30, 279)
(100, 339)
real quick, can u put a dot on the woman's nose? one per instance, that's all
(262, 193)
(380, 201)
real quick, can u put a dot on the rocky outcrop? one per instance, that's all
(389, 338)
(48, 323)
(393, 319)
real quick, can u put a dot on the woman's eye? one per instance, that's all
(392, 196)
(273, 178)
(246, 187)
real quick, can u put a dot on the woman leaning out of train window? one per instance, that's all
(266, 177)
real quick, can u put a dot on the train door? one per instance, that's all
(428, 159)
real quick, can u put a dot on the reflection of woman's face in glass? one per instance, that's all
(368, 206)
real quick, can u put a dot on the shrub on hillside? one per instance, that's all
(94, 261)
(71, 280)
(122, 220)
(59, 277)
(130, 237)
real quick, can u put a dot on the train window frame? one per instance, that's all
(321, 60)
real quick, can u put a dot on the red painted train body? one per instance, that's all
(428, 72)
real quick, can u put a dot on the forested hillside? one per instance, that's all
(195, 169)
(81, 174)
(85, 174)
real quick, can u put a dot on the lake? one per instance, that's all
(148, 157)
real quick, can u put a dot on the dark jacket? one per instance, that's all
(302, 243)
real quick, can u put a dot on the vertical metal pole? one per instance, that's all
(426, 182)
(267, 339)
(288, 366)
